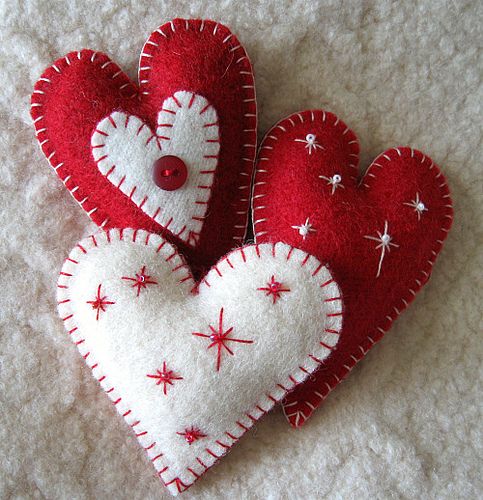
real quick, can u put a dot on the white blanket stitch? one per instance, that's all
(407, 423)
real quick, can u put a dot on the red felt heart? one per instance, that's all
(380, 234)
(83, 88)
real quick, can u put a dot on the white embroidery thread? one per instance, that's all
(305, 229)
(385, 243)
(335, 181)
(418, 205)
(310, 142)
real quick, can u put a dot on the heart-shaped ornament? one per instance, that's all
(168, 173)
(381, 233)
(191, 366)
(173, 155)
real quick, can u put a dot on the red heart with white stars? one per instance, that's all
(174, 154)
(380, 234)
(191, 367)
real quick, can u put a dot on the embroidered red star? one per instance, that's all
(99, 303)
(274, 288)
(219, 338)
(165, 377)
(191, 435)
(141, 281)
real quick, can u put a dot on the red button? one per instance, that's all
(169, 173)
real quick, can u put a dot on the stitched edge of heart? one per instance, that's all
(128, 184)
(298, 418)
(37, 101)
(266, 150)
(131, 90)
(178, 265)
(248, 156)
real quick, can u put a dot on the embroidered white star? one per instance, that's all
(335, 181)
(418, 205)
(385, 243)
(304, 229)
(310, 142)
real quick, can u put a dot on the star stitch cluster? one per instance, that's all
(274, 289)
(100, 302)
(164, 376)
(220, 339)
(379, 232)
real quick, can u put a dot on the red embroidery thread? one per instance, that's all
(191, 435)
(141, 281)
(152, 448)
(219, 338)
(274, 288)
(100, 303)
(165, 377)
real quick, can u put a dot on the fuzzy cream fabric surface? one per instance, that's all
(407, 423)
(130, 151)
(216, 395)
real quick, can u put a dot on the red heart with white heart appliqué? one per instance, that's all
(191, 367)
(380, 234)
(113, 143)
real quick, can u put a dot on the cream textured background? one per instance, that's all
(407, 422)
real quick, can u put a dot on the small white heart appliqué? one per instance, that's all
(192, 367)
(126, 151)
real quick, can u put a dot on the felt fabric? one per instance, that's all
(221, 353)
(406, 423)
(379, 234)
(126, 151)
(83, 88)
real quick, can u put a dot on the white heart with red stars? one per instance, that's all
(192, 367)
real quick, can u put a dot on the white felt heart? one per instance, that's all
(126, 149)
(189, 367)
